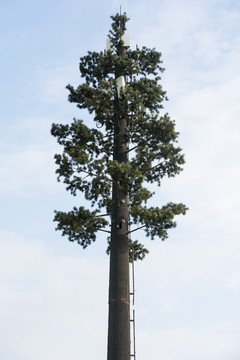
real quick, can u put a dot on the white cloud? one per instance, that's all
(214, 342)
(202, 266)
(52, 82)
(234, 280)
(51, 303)
(33, 166)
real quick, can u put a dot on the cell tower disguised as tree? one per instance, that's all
(131, 145)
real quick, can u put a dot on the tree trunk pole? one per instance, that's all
(119, 308)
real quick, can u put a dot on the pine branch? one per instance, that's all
(109, 232)
(107, 152)
(103, 215)
(135, 147)
(141, 227)
(153, 167)
(86, 172)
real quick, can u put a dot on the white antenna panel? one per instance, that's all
(108, 44)
(126, 40)
(120, 84)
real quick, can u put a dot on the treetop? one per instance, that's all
(87, 165)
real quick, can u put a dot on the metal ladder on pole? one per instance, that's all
(132, 319)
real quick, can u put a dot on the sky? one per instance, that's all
(53, 294)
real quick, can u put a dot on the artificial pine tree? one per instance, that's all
(132, 144)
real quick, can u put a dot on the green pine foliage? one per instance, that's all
(86, 164)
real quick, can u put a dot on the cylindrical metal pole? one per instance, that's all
(119, 307)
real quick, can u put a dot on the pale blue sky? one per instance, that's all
(53, 295)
